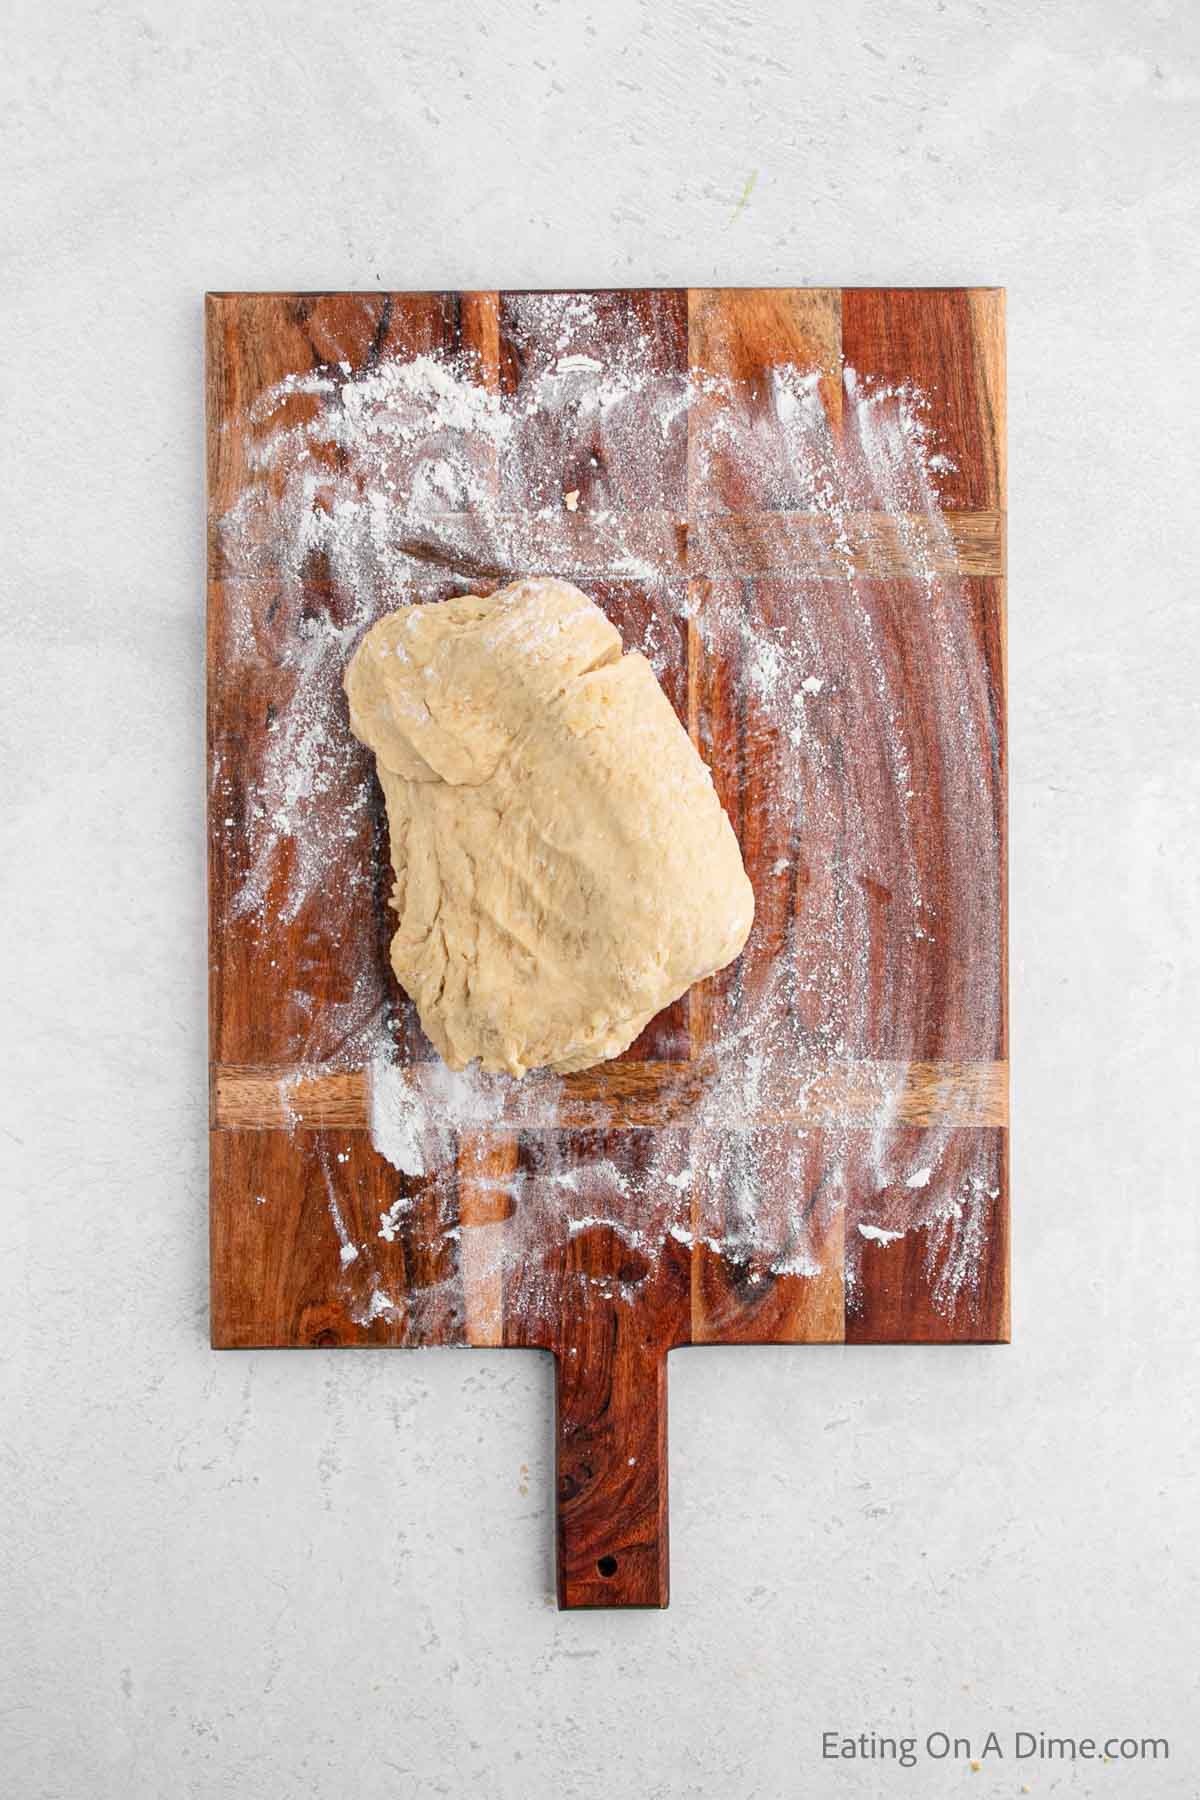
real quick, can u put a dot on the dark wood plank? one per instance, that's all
(896, 851)
(949, 342)
(946, 1280)
(617, 456)
(285, 1203)
(306, 983)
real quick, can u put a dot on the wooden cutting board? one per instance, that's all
(624, 1212)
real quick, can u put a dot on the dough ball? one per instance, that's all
(564, 869)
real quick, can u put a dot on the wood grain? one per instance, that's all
(619, 459)
(739, 335)
(949, 342)
(316, 1241)
(277, 1276)
(632, 1096)
(704, 545)
(609, 1299)
(907, 1290)
(769, 1270)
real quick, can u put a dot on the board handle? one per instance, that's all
(611, 1469)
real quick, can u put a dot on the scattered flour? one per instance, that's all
(369, 488)
(876, 1234)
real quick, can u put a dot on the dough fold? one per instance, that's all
(564, 869)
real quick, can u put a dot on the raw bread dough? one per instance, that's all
(563, 866)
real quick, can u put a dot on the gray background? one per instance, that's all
(304, 1575)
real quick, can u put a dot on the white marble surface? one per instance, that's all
(268, 1576)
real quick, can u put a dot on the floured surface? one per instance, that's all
(769, 531)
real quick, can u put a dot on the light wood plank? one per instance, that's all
(629, 1096)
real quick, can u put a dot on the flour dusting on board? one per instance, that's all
(410, 479)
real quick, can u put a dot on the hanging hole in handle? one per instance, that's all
(606, 1566)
